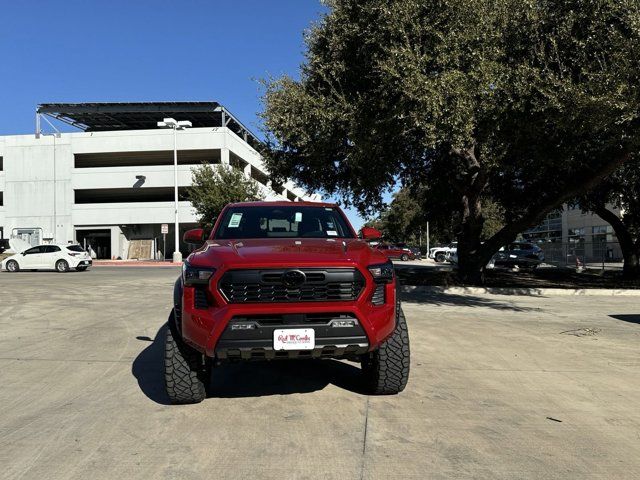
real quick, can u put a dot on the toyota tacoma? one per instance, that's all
(284, 280)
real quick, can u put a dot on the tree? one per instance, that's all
(403, 220)
(621, 190)
(406, 217)
(212, 188)
(524, 103)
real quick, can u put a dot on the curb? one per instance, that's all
(535, 292)
(125, 263)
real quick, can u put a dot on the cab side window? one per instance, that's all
(33, 251)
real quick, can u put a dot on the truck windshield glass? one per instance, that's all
(282, 222)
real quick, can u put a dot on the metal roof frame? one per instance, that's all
(109, 116)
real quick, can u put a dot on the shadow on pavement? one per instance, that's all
(450, 299)
(148, 368)
(248, 379)
(283, 377)
(631, 318)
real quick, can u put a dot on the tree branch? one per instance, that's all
(537, 211)
(622, 232)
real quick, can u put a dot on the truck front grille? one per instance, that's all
(268, 285)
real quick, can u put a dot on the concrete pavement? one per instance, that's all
(501, 387)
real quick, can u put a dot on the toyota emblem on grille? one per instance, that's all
(293, 278)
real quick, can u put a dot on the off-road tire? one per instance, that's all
(386, 370)
(186, 373)
(404, 257)
(62, 266)
(440, 257)
(12, 266)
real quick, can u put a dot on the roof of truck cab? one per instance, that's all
(282, 203)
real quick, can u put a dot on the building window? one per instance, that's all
(603, 233)
(576, 234)
(605, 243)
(550, 230)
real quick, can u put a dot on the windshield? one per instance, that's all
(282, 222)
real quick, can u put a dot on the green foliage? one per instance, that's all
(493, 218)
(523, 102)
(405, 219)
(213, 187)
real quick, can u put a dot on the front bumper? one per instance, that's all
(206, 316)
(251, 337)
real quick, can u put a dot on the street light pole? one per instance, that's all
(428, 240)
(54, 233)
(177, 255)
(175, 125)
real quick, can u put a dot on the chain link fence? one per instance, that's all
(605, 255)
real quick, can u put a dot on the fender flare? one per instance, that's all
(177, 304)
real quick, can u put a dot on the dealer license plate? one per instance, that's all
(294, 339)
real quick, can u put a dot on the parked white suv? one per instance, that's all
(441, 254)
(61, 258)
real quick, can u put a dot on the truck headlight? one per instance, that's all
(196, 275)
(382, 272)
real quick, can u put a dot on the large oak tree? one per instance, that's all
(528, 103)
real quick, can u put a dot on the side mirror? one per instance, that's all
(195, 236)
(369, 233)
(24, 253)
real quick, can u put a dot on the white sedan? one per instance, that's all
(61, 258)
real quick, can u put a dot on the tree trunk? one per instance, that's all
(630, 248)
(631, 267)
(470, 264)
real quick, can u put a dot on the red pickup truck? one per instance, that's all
(284, 280)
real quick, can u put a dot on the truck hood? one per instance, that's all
(274, 252)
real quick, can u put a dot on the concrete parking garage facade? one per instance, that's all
(116, 186)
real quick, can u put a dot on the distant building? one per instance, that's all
(575, 233)
(113, 182)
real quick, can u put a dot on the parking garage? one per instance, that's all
(109, 185)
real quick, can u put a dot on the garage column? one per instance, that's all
(115, 242)
(224, 156)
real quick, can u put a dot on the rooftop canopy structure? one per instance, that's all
(98, 117)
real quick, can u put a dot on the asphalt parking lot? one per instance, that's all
(501, 387)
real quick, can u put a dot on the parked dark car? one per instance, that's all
(521, 254)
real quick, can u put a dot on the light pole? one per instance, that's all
(55, 210)
(175, 125)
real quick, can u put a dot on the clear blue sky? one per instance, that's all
(143, 50)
